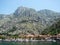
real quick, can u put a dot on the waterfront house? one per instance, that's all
(58, 36)
(31, 37)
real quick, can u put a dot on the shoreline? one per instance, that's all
(26, 40)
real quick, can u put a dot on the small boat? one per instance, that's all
(54, 40)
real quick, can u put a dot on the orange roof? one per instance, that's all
(29, 35)
(59, 34)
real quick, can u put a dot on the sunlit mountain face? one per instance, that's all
(27, 21)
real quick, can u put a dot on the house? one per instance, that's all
(58, 36)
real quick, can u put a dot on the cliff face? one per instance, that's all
(27, 21)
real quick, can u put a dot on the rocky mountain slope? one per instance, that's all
(27, 21)
(54, 29)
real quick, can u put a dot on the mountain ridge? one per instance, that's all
(27, 21)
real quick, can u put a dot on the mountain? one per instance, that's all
(49, 15)
(24, 11)
(27, 21)
(54, 29)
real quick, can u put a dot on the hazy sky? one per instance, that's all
(9, 6)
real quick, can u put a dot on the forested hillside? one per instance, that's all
(27, 21)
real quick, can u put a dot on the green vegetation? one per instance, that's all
(54, 29)
(29, 21)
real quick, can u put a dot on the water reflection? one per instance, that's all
(30, 43)
(55, 43)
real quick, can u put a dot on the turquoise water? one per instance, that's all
(29, 43)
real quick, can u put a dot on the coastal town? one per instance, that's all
(30, 37)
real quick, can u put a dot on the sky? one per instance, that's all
(9, 6)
